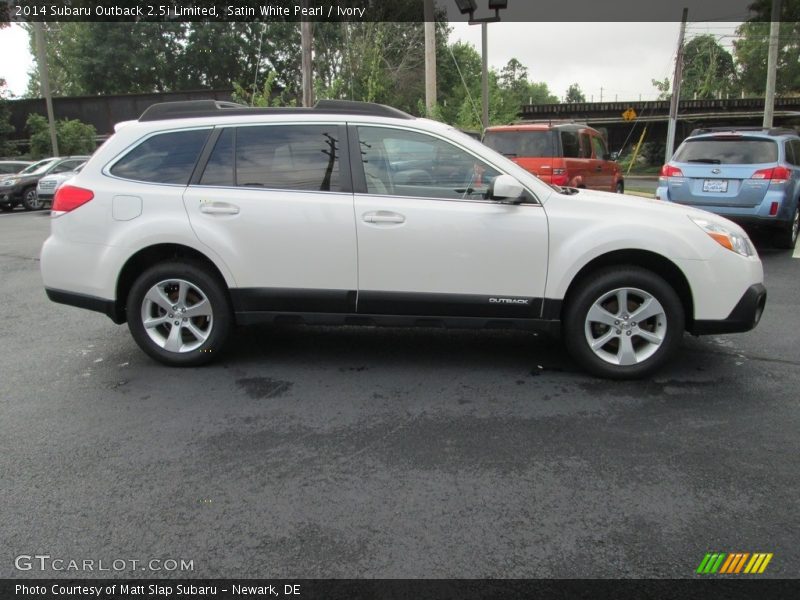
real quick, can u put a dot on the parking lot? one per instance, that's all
(361, 452)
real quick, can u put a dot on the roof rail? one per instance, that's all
(213, 108)
(767, 130)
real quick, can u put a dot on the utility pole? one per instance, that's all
(676, 91)
(485, 73)
(305, 49)
(772, 63)
(430, 57)
(44, 79)
(601, 93)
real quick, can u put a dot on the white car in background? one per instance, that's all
(47, 186)
(204, 215)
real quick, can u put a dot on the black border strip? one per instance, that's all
(711, 588)
(565, 11)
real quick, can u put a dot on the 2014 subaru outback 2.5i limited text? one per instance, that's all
(204, 215)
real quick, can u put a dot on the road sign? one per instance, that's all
(629, 115)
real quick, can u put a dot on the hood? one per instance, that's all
(655, 211)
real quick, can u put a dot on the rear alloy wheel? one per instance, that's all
(623, 323)
(179, 314)
(787, 237)
(31, 200)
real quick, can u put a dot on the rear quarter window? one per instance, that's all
(163, 158)
(728, 151)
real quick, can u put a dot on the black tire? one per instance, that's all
(200, 282)
(6, 207)
(786, 238)
(620, 189)
(30, 199)
(576, 326)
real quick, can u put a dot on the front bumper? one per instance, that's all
(10, 194)
(744, 316)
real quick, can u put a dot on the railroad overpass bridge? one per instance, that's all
(624, 122)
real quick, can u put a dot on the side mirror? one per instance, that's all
(506, 190)
(613, 156)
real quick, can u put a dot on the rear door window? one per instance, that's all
(728, 151)
(571, 144)
(163, 158)
(295, 157)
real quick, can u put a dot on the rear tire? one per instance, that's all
(786, 238)
(623, 322)
(30, 199)
(620, 189)
(179, 314)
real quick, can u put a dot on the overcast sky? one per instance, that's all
(622, 58)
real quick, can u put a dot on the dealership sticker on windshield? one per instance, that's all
(715, 185)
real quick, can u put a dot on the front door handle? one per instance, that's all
(598, 168)
(218, 208)
(383, 216)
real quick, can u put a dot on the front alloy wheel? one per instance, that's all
(179, 313)
(625, 326)
(623, 322)
(31, 200)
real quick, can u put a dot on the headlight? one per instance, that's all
(726, 238)
(9, 182)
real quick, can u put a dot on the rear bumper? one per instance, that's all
(744, 316)
(107, 307)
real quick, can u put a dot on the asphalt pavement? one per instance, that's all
(389, 453)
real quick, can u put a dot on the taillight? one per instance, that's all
(775, 174)
(559, 177)
(70, 197)
(670, 171)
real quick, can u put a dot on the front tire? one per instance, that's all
(179, 314)
(623, 323)
(31, 200)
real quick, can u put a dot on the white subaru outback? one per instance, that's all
(204, 215)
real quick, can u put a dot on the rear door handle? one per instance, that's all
(218, 208)
(598, 168)
(383, 216)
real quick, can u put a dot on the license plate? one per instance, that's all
(715, 185)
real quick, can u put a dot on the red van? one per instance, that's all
(564, 154)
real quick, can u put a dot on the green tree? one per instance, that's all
(752, 47)
(73, 136)
(459, 99)
(87, 58)
(574, 94)
(708, 70)
(663, 88)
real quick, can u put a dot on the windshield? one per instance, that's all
(728, 151)
(38, 167)
(522, 144)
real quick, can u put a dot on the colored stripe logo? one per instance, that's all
(735, 563)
